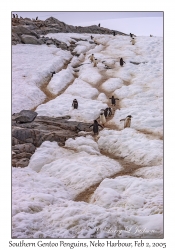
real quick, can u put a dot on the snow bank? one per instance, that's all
(131, 145)
(83, 89)
(31, 67)
(88, 110)
(60, 80)
(70, 166)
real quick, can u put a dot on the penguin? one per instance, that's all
(75, 104)
(91, 57)
(95, 63)
(16, 16)
(37, 18)
(102, 118)
(113, 33)
(21, 17)
(109, 111)
(131, 35)
(52, 73)
(99, 25)
(151, 35)
(92, 37)
(95, 127)
(13, 15)
(113, 100)
(106, 112)
(121, 61)
(133, 41)
(127, 121)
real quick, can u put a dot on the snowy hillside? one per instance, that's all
(105, 186)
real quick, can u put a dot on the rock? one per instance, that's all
(30, 40)
(22, 30)
(26, 147)
(22, 163)
(26, 116)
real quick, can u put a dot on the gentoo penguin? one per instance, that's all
(91, 57)
(37, 18)
(75, 104)
(92, 37)
(113, 100)
(52, 73)
(95, 126)
(106, 112)
(102, 118)
(13, 15)
(131, 35)
(109, 111)
(113, 33)
(127, 121)
(16, 16)
(95, 63)
(121, 61)
(99, 25)
(151, 35)
(133, 41)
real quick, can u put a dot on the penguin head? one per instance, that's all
(95, 121)
(129, 116)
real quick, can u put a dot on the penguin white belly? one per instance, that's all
(102, 119)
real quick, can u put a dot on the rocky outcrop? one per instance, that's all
(37, 28)
(29, 135)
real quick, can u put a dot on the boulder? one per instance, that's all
(22, 163)
(30, 40)
(25, 116)
(22, 30)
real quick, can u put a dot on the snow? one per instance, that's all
(128, 143)
(69, 166)
(121, 206)
(60, 81)
(31, 69)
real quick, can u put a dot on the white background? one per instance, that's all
(5, 99)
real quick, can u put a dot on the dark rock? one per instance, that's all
(25, 116)
(31, 40)
(21, 30)
(22, 163)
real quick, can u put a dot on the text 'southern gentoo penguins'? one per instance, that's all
(75, 104)
(91, 57)
(121, 61)
(113, 102)
(127, 121)
(95, 126)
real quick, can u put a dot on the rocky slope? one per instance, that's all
(29, 31)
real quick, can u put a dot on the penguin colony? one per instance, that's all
(104, 113)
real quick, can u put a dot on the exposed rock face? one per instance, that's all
(36, 28)
(25, 116)
(27, 136)
(30, 40)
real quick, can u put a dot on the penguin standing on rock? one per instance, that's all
(37, 18)
(121, 61)
(99, 25)
(13, 15)
(75, 104)
(131, 35)
(95, 127)
(16, 16)
(127, 121)
(113, 102)
(113, 33)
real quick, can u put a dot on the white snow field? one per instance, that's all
(126, 202)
